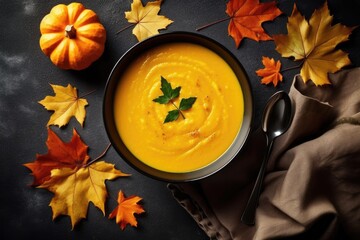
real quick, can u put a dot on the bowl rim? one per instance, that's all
(151, 42)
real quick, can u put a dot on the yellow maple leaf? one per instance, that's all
(124, 212)
(146, 19)
(65, 105)
(74, 188)
(314, 43)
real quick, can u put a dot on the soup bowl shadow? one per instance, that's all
(131, 55)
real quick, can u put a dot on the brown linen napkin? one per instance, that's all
(312, 186)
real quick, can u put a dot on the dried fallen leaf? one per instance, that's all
(124, 212)
(75, 188)
(66, 171)
(271, 72)
(314, 43)
(65, 105)
(246, 17)
(146, 19)
(60, 155)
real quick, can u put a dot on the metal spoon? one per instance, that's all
(276, 120)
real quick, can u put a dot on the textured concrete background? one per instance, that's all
(25, 74)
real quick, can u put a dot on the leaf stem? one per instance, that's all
(293, 67)
(124, 28)
(100, 156)
(212, 23)
(87, 93)
(178, 109)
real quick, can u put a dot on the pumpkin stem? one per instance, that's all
(70, 31)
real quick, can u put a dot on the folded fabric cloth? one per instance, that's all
(312, 186)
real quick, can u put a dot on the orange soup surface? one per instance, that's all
(210, 125)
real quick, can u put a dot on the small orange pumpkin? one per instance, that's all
(72, 36)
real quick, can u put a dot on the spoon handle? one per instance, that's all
(248, 216)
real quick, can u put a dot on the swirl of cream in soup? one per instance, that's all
(209, 127)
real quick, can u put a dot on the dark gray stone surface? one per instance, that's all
(25, 74)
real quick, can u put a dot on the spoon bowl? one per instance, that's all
(276, 120)
(277, 115)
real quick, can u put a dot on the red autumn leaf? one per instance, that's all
(271, 72)
(124, 212)
(246, 17)
(60, 155)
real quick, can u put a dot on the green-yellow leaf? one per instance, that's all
(65, 104)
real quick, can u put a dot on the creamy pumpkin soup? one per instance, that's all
(200, 134)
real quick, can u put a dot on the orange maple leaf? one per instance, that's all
(60, 155)
(271, 72)
(246, 17)
(124, 212)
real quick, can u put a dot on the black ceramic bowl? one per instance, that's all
(115, 76)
